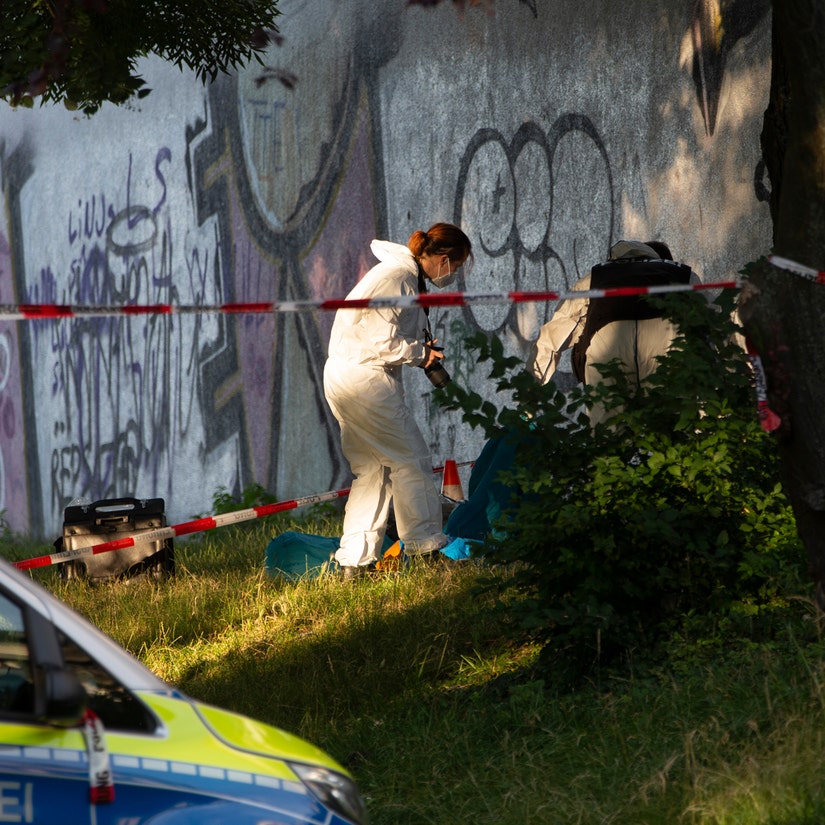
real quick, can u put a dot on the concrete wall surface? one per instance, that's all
(546, 128)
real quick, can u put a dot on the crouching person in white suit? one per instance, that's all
(625, 328)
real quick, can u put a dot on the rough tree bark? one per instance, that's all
(784, 313)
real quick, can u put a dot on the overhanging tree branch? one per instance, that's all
(85, 52)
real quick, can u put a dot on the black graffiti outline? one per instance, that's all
(529, 133)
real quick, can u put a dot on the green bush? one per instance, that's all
(254, 495)
(670, 507)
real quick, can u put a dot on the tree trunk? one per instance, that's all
(783, 312)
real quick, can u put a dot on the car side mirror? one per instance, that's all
(65, 699)
(59, 697)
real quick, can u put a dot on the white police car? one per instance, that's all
(89, 735)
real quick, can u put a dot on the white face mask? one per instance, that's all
(440, 281)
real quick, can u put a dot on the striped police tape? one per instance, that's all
(34, 312)
(186, 528)
(163, 533)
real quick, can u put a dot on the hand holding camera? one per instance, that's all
(438, 376)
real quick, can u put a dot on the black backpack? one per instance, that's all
(603, 311)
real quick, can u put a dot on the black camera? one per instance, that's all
(438, 376)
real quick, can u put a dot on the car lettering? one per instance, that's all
(14, 806)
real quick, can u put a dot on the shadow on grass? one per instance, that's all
(344, 650)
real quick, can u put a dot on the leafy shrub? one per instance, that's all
(670, 506)
(321, 517)
(253, 495)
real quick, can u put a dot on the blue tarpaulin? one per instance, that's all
(295, 555)
(486, 495)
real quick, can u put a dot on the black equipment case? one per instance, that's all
(85, 525)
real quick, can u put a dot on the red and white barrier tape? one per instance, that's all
(35, 312)
(101, 780)
(799, 269)
(163, 533)
(440, 468)
(768, 419)
(186, 528)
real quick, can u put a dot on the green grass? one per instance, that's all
(410, 682)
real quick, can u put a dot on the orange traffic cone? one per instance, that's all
(451, 482)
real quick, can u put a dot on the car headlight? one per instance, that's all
(336, 791)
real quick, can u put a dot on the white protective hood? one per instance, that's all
(382, 337)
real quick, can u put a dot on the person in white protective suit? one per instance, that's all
(364, 388)
(624, 328)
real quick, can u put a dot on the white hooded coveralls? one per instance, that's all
(379, 437)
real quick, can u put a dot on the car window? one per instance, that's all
(117, 708)
(16, 685)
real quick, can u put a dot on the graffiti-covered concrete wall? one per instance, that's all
(545, 128)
